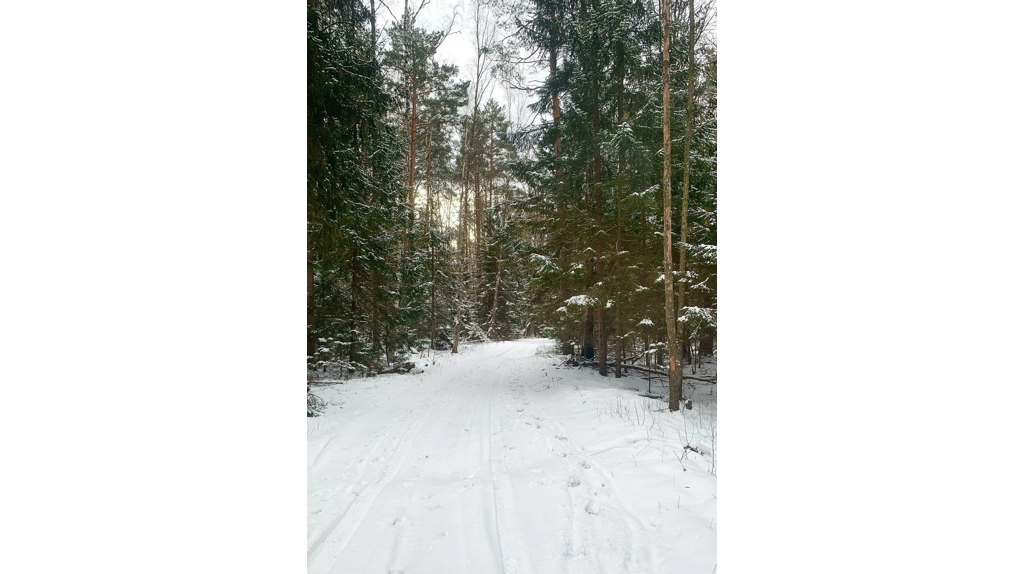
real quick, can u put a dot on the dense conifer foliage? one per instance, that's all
(436, 217)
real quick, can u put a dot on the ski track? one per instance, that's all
(329, 494)
(326, 553)
(479, 436)
(510, 537)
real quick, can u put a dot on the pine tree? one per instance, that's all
(433, 219)
(353, 196)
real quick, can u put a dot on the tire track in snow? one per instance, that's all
(514, 558)
(633, 549)
(323, 553)
(325, 496)
(459, 387)
(385, 432)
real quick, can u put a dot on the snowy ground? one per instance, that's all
(496, 460)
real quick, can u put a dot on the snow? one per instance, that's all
(581, 300)
(498, 459)
(698, 313)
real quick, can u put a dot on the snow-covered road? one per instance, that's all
(496, 460)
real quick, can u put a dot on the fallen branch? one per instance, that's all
(651, 372)
(663, 373)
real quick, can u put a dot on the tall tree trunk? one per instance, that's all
(373, 27)
(412, 153)
(455, 337)
(556, 115)
(374, 334)
(430, 246)
(463, 209)
(598, 194)
(354, 305)
(589, 326)
(479, 203)
(458, 306)
(458, 309)
(675, 382)
(494, 307)
(588, 334)
(310, 314)
(426, 182)
(463, 245)
(490, 176)
(619, 117)
(691, 83)
(602, 340)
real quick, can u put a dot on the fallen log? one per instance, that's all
(652, 372)
(625, 368)
(401, 368)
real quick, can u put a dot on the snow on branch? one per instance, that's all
(702, 316)
(581, 300)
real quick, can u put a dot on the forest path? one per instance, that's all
(494, 460)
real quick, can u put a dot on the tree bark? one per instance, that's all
(490, 174)
(412, 154)
(426, 182)
(685, 201)
(430, 248)
(310, 314)
(463, 246)
(373, 27)
(619, 117)
(463, 207)
(687, 137)
(455, 338)
(556, 115)
(479, 231)
(588, 334)
(354, 306)
(602, 327)
(494, 307)
(596, 195)
(675, 385)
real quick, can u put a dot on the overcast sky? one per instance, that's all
(458, 47)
